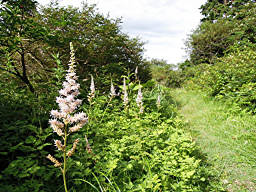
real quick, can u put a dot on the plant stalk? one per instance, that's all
(65, 160)
(106, 109)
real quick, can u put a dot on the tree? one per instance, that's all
(210, 41)
(217, 35)
(160, 70)
(30, 37)
(18, 31)
(101, 48)
(213, 10)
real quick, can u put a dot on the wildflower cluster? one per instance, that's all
(65, 121)
(139, 99)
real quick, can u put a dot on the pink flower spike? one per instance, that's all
(75, 87)
(112, 90)
(139, 100)
(83, 121)
(72, 150)
(92, 87)
(59, 100)
(57, 126)
(59, 145)
(75, 93)
(79, 117)
(55, 114)
(53, 160)
(66, 84)
(63, 92)
(69, 98)
(64, 121)
(126, 100)
(75, 128)
(71, 81)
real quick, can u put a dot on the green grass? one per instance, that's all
(227, 139)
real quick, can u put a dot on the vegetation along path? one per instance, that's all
(227, 138)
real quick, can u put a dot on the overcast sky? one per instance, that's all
(162, 24)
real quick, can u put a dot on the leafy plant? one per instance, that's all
(232, 78)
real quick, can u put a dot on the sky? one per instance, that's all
(163, 25)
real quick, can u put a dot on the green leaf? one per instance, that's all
(44, 145)
(30, 140)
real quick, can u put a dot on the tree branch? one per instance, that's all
(3, 69)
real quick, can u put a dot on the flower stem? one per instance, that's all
(105, 109)
(65, 160)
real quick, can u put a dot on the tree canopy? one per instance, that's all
(225, 25)
(31, 35)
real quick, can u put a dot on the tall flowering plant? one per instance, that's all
(136, 74)
(112, 90)
(92, 92)
(158, 102)
(125, 95)
(65, 121)
(139, 100)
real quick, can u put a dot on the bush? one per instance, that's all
(25, 141)
(232, 78)
(210, 41)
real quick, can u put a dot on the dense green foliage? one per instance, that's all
(221, 65)
(165, 74)
(101, 48)
(30, 36)
(222, 53)
(232, 78)
(213, 10)
(147, 152)
(213, 39)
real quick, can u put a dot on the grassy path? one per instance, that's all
(228, 140)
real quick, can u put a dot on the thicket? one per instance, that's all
(165, 73)
(222, 53)
(133, 140)
(232, 78)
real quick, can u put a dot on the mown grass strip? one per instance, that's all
(227, 139)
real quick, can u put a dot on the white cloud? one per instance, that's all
(163, 24)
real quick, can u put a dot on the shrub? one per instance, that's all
(232, 78)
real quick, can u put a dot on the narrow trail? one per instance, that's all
(227, 140)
